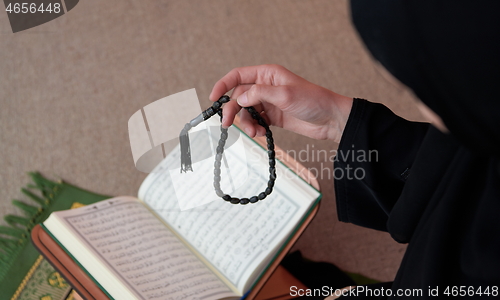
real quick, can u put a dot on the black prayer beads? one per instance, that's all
(216, 108)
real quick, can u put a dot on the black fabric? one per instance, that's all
(447, 209)
(447, 52)
(380, 147)
(315, 275)
(446, 202)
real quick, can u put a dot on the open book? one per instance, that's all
(149, 248)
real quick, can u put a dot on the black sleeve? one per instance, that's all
(374, 158)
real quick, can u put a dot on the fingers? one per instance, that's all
(279, 96)
(248, 124)
(229, 111)
(240, 89)
(232, 79)
(254, 86)
(263, 74)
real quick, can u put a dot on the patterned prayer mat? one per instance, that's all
(24, 273)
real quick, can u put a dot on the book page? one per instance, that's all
(133, 254)
(237, 240)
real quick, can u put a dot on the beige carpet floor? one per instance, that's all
(68, 87)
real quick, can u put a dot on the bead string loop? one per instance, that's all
(216, 108)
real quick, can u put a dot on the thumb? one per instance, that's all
(259, 93)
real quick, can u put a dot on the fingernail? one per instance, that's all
(222, 122)
(242, 99)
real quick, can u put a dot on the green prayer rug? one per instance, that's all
(24, 273)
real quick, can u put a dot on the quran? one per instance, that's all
(149, 247)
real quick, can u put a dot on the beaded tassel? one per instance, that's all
(216, 108)
(184, 135)
(185, 149)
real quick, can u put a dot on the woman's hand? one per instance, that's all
(284, 100)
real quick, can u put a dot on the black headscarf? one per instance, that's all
(438, 192)
(448, 53)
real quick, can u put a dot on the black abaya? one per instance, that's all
(427, 190)
(438, 192)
